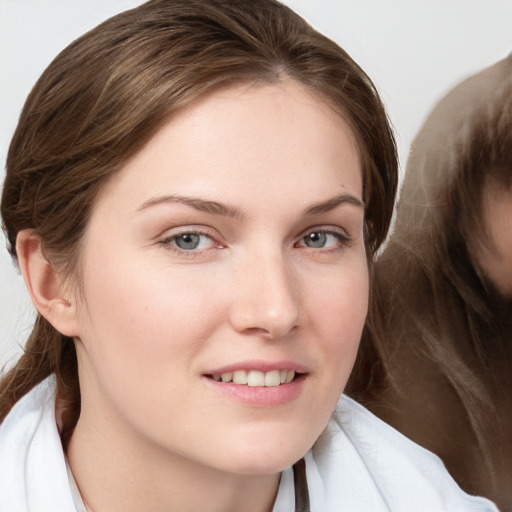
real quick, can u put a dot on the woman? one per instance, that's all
(194, 194)
(444, 284)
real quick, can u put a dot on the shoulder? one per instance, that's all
(364, 462)
(33, 472)
(34, 402)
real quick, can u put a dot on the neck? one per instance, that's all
(116, 473)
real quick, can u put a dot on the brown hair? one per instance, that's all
(434, 300)
(104, 96)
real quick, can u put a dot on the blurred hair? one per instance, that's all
(428, 281)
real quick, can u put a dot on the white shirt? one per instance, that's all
(359, 464)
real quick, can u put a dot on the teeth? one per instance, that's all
(272, 378)
(227, 377)
(240, 377)
(255, 378)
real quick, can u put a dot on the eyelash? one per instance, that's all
(342, 237)
(170, 242)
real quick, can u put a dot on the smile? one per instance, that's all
(259, 384)
(256, 378)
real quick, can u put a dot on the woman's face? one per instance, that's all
(495, 257)
(229, 249)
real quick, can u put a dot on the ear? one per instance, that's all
(49, 294)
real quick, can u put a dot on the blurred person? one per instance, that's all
(441, 352)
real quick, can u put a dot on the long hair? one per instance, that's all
(105, 95)
(432, 293)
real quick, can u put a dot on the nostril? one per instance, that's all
(267, 300)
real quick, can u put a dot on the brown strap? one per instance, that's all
(301, 487)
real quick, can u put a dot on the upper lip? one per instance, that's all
(259, 365)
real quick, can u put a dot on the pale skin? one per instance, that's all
(495, 256)
(233, 239)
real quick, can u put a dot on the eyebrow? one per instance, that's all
(224, 210)
(330, 204)
(212, 207)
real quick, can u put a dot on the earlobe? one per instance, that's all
(44, 284)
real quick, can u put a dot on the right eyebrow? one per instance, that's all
(333, 202)
(202, 205)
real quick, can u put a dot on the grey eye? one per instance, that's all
(188, 241)
(316, 240)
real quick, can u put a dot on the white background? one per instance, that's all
(414, 50)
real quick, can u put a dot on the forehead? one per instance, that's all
(247, 140)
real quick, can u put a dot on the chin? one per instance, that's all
(257, 458)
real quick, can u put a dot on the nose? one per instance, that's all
(266, 300)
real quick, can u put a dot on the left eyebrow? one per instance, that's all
(212, 207)
(330, 204)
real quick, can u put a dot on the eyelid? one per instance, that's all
(169, 235)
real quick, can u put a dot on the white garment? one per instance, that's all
(359, 464)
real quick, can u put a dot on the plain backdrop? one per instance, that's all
(414, 51)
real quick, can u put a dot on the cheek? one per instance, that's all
(337, 315)
(496, 258)
(338, 312)
(145, 316)
(340, 307)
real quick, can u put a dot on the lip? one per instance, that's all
(259, 396)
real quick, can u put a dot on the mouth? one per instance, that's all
(256, 378)
(259, 384)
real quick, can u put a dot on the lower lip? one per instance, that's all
(259, 396)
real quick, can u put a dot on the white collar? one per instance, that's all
(358, 464)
